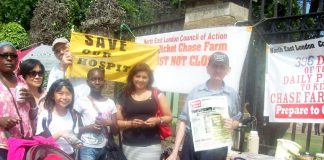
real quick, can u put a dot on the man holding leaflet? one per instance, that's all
(218, 67)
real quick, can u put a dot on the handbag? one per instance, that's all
(164, 129)
(112, 151)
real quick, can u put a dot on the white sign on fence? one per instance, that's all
(184, 55)
(295, 82)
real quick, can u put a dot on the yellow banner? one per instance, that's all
(117, 57)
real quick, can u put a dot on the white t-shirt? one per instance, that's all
(88, 116)
(55, 74)
(80, 85)
(58, 124)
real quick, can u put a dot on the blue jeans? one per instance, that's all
(87, 153)
(3, 154)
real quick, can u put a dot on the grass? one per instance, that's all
(315, 144)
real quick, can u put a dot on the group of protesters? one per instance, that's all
(77, 116)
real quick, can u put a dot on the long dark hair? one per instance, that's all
(55, 87)
(27, 66)
(139, 67)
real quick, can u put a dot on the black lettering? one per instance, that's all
(122, 45)
(106, 54)
(96, 53)
(102, 64)
(110, 65)
(118, 67)
(86, 51)
(126, 68)
(100, 42)
(112, 44)
(82, 61)
(89, 40)
(92, 63)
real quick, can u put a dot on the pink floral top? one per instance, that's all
(7, 108)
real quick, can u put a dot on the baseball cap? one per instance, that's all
(218, 57)
(59, 40)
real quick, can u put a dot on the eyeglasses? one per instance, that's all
(34, 73)
(7, 55)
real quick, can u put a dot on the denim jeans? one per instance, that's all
(87, 153)
(3, 154)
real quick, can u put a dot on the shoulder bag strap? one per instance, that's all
(156, 98)
(109, 135)
(93, 104)
(14, 102)
(96, 108)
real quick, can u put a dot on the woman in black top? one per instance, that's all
(137, 115)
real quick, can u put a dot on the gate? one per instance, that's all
(279, 28)
(283, 25)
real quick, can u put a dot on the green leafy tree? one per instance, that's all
(77, 11)
(20, 11)
(104, 15)
(51, 20)
(14, 33)
(139, 12)
(269, 8)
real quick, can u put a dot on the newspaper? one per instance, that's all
(206, 117)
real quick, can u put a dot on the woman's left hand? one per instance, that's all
(151, 122)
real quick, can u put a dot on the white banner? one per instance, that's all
(295, 82)
(184, 55)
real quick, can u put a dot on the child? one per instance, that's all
(58, 117)
(97, 112)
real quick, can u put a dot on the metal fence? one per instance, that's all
(286, 23)
(275, 22)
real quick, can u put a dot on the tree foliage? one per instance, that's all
(20, 11)
(141, 12)
(105, 15)
(51, 19)
(270, 6)
(14, 33)
(77, 11)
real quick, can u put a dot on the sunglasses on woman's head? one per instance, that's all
(7, 55)
(34, 73)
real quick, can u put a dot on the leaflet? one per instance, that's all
(206, 117)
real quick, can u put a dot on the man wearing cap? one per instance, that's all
(61, 49)
(218, 67)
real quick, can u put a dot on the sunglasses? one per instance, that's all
(7, 55)
(34, 73)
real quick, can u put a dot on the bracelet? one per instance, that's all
(161, 121)
(125, 124)
(34, 108)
